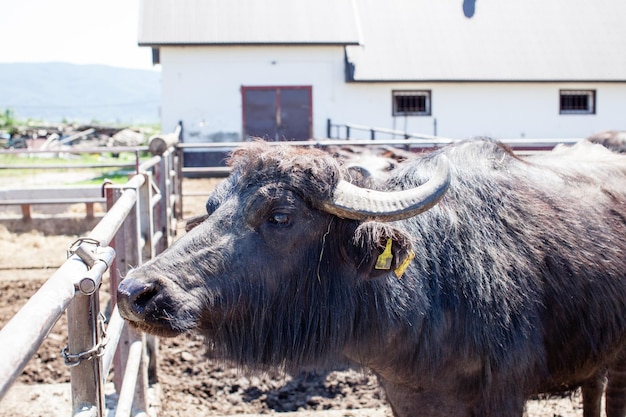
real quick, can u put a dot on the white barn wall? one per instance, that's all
(499, 110)
(202, 87)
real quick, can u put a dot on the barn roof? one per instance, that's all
(530, 40)
(247, 22)
(415, 40)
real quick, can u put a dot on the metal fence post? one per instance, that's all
(161, 208)
(167, 187)
(128, 239)
(146, 223)
(85, 334)
(130, 398)
(177, 161)
(118, 244)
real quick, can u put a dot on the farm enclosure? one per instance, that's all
(197, 386)
(189, 383)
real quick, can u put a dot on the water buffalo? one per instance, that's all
(471, 280)
(368, 163)
(612, 139)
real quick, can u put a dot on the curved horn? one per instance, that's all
(352, 202)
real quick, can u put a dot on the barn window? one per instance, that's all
(577, 101)
(411, 102)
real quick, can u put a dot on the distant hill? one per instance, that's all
(54, 92)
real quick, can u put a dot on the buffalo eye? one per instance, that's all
(211, 206)
(279, 219)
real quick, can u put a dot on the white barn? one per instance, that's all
(456, 69)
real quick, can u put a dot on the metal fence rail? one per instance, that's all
(412, 142)
(343, 133)
(139, 224)
(65, 195)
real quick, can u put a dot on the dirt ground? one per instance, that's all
(191, 385)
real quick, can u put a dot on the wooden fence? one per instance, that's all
(139, 224)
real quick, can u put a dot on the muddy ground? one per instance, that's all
(190, 384)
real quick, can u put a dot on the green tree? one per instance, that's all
(7, 119)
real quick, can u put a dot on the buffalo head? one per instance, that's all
(274, 273)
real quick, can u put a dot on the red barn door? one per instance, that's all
(277, 113)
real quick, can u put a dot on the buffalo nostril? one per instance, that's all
(142, 299)
(134, 296)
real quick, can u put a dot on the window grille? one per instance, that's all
(411, 103)
(577, 101)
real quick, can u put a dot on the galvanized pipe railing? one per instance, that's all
(412, 142)
(86, 335)
(129, 227)
(100, 149)
(136, 150)
(114, 331)
(127, 243)
(131, 372)
(23, 334)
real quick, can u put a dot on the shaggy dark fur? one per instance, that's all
(517, 286)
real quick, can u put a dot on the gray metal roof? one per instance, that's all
(529, 40)
(416, 40)
(243, 22)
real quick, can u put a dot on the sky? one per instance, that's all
(75, 31)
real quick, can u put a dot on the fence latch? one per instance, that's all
(74, 359)
(98, 261)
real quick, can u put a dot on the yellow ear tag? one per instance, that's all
(384, 259)
(399, 271)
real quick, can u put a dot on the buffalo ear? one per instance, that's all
(380, 249)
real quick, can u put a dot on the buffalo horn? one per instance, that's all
(352, 202)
